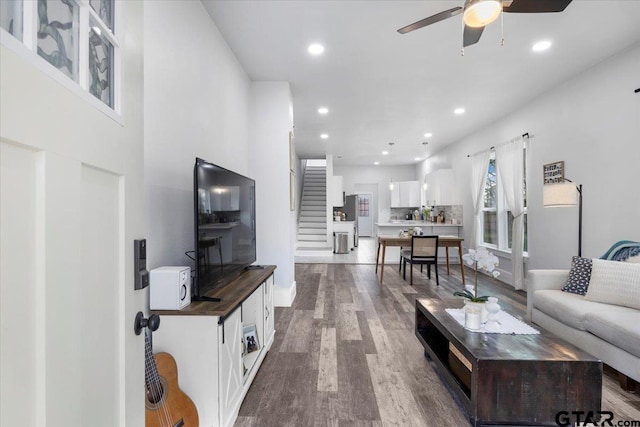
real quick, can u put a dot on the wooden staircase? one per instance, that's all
(312, 222)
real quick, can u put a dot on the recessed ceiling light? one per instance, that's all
(316, 49)
(541, 46)
(417, 158)
(376, 163)
(385, 152)
(459, 110)
(324, 136)
(323, 110)
(428, 135)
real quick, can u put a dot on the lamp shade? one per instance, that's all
(478, 13)
(559, 195)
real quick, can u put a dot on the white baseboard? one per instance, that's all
(283, 297)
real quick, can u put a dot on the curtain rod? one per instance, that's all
(524, 135)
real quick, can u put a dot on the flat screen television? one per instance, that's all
(225, 226)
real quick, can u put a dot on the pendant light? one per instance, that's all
(424, 183)
(391, 185)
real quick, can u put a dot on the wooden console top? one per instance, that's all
(232, 295)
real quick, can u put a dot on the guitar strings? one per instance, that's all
(154, 384)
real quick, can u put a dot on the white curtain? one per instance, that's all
(479, 166)
(510, 166)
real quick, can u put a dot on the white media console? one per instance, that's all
(206, 339)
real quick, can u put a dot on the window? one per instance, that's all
(490, 210)
(75, 37)
(497, 220)
(11, 17)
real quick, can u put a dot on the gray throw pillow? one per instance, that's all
(579, 276)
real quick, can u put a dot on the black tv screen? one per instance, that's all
(225, 225)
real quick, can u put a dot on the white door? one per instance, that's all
(365, 214)
(71, 204)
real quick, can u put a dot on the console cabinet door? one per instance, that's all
(269, 315)
(230, 366)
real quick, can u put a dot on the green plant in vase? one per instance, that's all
(481, 259)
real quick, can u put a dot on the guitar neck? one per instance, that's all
(151, 377)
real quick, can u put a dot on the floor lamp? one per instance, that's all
(565, 194)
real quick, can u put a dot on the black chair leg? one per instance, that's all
(437, 279)
(404, 271)
(400, 263)
(411, 275)
(429, 271)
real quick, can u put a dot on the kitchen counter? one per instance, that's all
(406, 224)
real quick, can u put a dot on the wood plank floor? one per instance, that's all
(345, 354)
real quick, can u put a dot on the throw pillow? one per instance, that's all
(634, 259)
(579, 276)
(614, 282)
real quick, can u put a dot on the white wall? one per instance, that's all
(592, 122)
(354, 176)
(269, 155)
(197, 104)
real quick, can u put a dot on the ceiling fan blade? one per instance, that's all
(431, 20)
(471, 35)
(536, 6)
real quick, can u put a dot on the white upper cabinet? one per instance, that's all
(441, 189)
(405, 194)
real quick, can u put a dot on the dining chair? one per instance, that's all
(424, 250)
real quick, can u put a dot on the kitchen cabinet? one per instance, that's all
(337, 191)
(225, 198)
(440, 188)
(405, 194)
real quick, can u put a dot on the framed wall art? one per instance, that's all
(553, 173)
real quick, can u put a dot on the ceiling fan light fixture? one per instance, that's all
(478, 13)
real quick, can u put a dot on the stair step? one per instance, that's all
(315, 198)
(314, 214)
(313, 231)
(314, 251)
(311, 218)
(312, 238)
(321, 203)
(313, 208)
(316, 244)
(308, 224)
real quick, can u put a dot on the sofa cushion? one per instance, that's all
(579, 276)
(614, 282)
(620, 328)
(569, 308)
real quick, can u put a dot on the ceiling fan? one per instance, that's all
(479, 13)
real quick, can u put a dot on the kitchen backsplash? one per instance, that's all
(450, 212)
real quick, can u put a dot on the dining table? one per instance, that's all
(405, 241)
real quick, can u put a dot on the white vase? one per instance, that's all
(475, 308)
(482, 307)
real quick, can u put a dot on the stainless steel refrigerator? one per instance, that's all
(351, 209)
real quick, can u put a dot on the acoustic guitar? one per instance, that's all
(165, 404)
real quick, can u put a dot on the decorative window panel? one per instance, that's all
(104, 9)
(11, 17)
(100, 66)
(58, 35)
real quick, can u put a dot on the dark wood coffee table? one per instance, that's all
(508, 379)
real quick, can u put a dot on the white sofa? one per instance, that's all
(609, 332)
